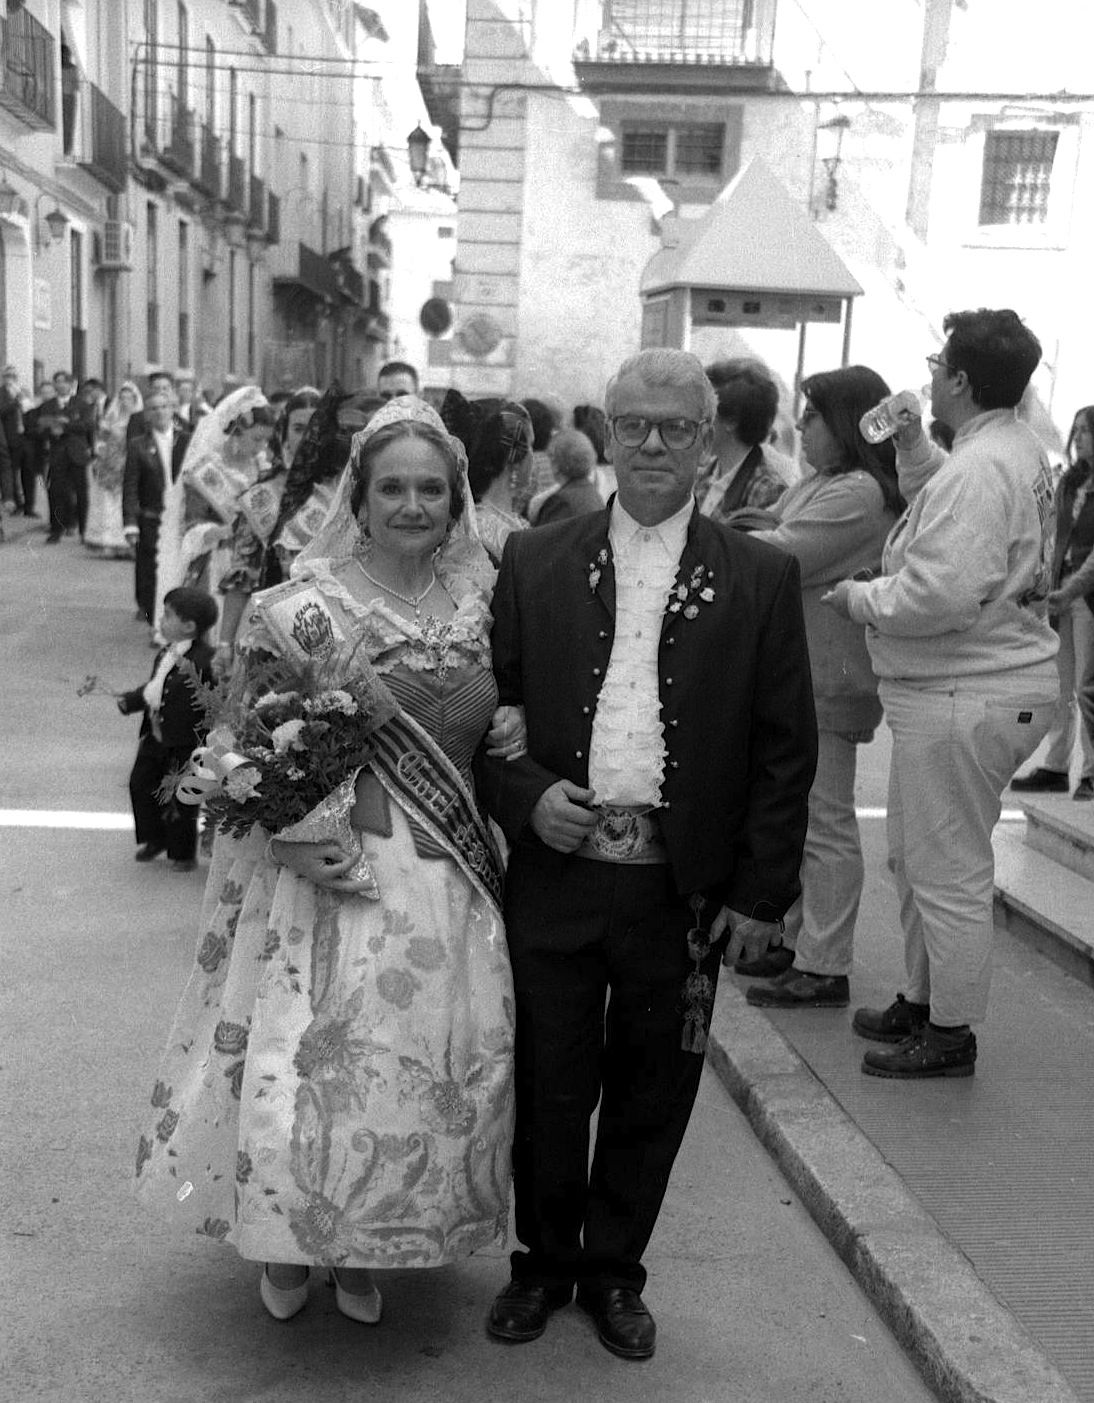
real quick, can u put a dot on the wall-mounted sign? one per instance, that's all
(43, 304)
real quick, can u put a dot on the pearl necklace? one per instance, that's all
(414, 601)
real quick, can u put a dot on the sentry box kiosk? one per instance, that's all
(755, 258)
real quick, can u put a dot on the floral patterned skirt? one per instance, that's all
(337, 1087)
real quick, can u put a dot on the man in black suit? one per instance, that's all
(656, 825)
(66, 430)
(153, 460)
(160, 382)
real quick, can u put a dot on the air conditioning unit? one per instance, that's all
(116, 250)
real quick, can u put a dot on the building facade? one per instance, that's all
(945, 164)
(202, 185)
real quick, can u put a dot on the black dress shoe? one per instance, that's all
(148, 852)
(521, 1312)
(769, 965)
(623, 1323)
(1041, 781)
(53, 539)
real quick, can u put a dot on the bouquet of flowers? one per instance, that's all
(283, 740)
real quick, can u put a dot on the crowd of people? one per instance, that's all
(619, 669)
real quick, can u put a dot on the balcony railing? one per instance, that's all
(28, 86)
(317, 273)
(677, 33)
(273, 219)
(209, 173)
(237, 184)
(256, 214)
(104, 145)
(269, 34)
(178, 154)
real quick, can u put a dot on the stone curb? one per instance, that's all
(966, 1344)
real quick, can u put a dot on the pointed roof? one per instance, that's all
(755, 238)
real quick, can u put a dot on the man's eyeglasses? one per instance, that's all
(937, 363)
(632, 430)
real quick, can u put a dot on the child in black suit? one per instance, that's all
(171, 728)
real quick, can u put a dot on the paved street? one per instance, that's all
(100, 1302)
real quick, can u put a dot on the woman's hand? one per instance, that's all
(837, 598)
(323, 864)
(508, 734)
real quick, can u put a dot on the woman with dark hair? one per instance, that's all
(336, 1091)
(593, 423)
(1071, 612)
(739, 475)
(834, 521)
(498, 436)
(259, 512)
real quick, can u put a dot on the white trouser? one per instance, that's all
(1075, 661)
(821, 925)
(956, 744)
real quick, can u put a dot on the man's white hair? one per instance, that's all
(663, 366)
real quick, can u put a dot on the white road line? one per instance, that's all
(65, 818)
(120, 823)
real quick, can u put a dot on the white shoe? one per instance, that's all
(282, 1302)
(367, 1307)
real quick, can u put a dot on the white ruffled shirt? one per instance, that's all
(627, 752)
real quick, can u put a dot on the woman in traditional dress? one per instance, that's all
(337, 1087)
(103, 534)
(497, 435)
(226, 455)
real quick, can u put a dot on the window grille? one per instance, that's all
(1017, 175)
(689, 29)
(699, 149)
(645, 152)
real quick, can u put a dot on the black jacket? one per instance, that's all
(142, 486)
(735, 691)
(179, 716)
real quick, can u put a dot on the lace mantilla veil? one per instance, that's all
(460, 557)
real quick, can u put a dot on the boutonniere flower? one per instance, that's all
(689, 593)
(596, 567)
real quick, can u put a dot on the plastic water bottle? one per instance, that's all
(882, 422)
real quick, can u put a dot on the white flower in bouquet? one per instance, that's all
(242, 783)
(334, 700)
(287, 736)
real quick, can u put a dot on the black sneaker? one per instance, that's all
(1041, 781)
(1084, 789)
(893, 1024)
(769, 965)
(799, 989)
(928, 1053)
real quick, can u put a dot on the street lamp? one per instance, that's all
(9, 198)
(55, 221)
(832, 163)
(417, 145)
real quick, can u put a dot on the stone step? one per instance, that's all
(1043, 902)
(1061, 829)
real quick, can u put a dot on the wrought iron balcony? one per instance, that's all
(179, 153)
(648, 44)
(237, 184)
(209, 178)
(269, 33)
(28, 86)
(104, 152)
(256, 214)
(317, 274)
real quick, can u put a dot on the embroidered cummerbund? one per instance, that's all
(625, 835)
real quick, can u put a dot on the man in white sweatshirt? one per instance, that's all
(966, 665)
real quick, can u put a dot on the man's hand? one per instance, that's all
(324, 864)
(562, 817)
(837, 598)
(1057, 601)
(508, 734)
(131, 534)
(749, 937)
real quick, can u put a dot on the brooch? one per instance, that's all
(690, 593)
(596, 567)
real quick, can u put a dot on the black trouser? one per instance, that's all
(67, 497)
(173, 826)
(579, 932)
(145, 569)
(28, 474)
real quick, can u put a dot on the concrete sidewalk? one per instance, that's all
(963, 1207)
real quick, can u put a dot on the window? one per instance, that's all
(184, 293)
(251, 271)
(231, 311)
(210, 85)
(1017, 175)
(151, 68)
(152, 263)
(679, 151)
(184, 55)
